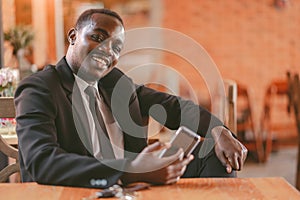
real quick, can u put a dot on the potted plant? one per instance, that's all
(20, 38)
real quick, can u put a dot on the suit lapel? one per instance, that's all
(66, 77)
(72, 92)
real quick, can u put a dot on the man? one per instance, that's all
(64, 141)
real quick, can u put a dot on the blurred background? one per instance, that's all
(253, 43)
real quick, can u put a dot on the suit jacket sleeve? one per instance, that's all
(44, 155)
(169, 110)
(173, 111)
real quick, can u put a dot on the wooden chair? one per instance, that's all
(7, 110)
(230, 105)
(246, 131)
(294, 105)
(276, 123)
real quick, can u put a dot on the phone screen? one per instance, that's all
(184, 138)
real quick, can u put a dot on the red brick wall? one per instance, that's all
(250, 41)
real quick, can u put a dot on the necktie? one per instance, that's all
(105, 144)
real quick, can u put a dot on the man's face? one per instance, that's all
(97, 47)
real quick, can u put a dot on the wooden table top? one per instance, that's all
(202, 188)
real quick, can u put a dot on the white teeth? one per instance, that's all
(104, 62)
(99, 60)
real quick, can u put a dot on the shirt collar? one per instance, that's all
(82, 84)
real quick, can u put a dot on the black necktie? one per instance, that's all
(105, 144)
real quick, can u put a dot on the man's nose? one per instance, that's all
(107, 47)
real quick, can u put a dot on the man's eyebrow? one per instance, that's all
(118, 41)
(102, 31)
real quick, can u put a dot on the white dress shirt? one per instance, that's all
(114, 132)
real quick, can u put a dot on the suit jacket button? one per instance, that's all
(93, 182)
(102, 182)
(98, 182)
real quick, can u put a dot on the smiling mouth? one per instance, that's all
(103, 61)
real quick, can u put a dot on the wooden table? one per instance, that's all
(204, 188)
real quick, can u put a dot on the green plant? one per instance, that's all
(19, 37)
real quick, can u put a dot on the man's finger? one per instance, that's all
(235, 163)
(244, 152)
(222, 158)
(177, 156)
(225, 162)
(228, 168)
(228, 163)
(182, 164)
(155, 146)
(241, 162)
(173, 180)
(242, 158)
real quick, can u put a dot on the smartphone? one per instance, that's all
(184, 138)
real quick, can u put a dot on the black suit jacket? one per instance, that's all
(50, 148)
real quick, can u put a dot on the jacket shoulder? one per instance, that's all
(48, 73)
(42, 80)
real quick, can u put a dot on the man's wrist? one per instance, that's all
(129, 176)
(218, 130)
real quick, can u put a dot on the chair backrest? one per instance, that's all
(7, 110)
(230, 105)
(294, 105)
(294, 96)
(244, 109)
(276, 124)
(276, 89)
(7, 107)
(275, 116)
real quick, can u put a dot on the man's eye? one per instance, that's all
(97, 38)
(117, 49)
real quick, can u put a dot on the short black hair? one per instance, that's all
(86, 16)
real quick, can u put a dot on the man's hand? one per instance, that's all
(148, 167)
(229, 150)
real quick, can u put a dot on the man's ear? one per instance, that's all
(72, 36)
